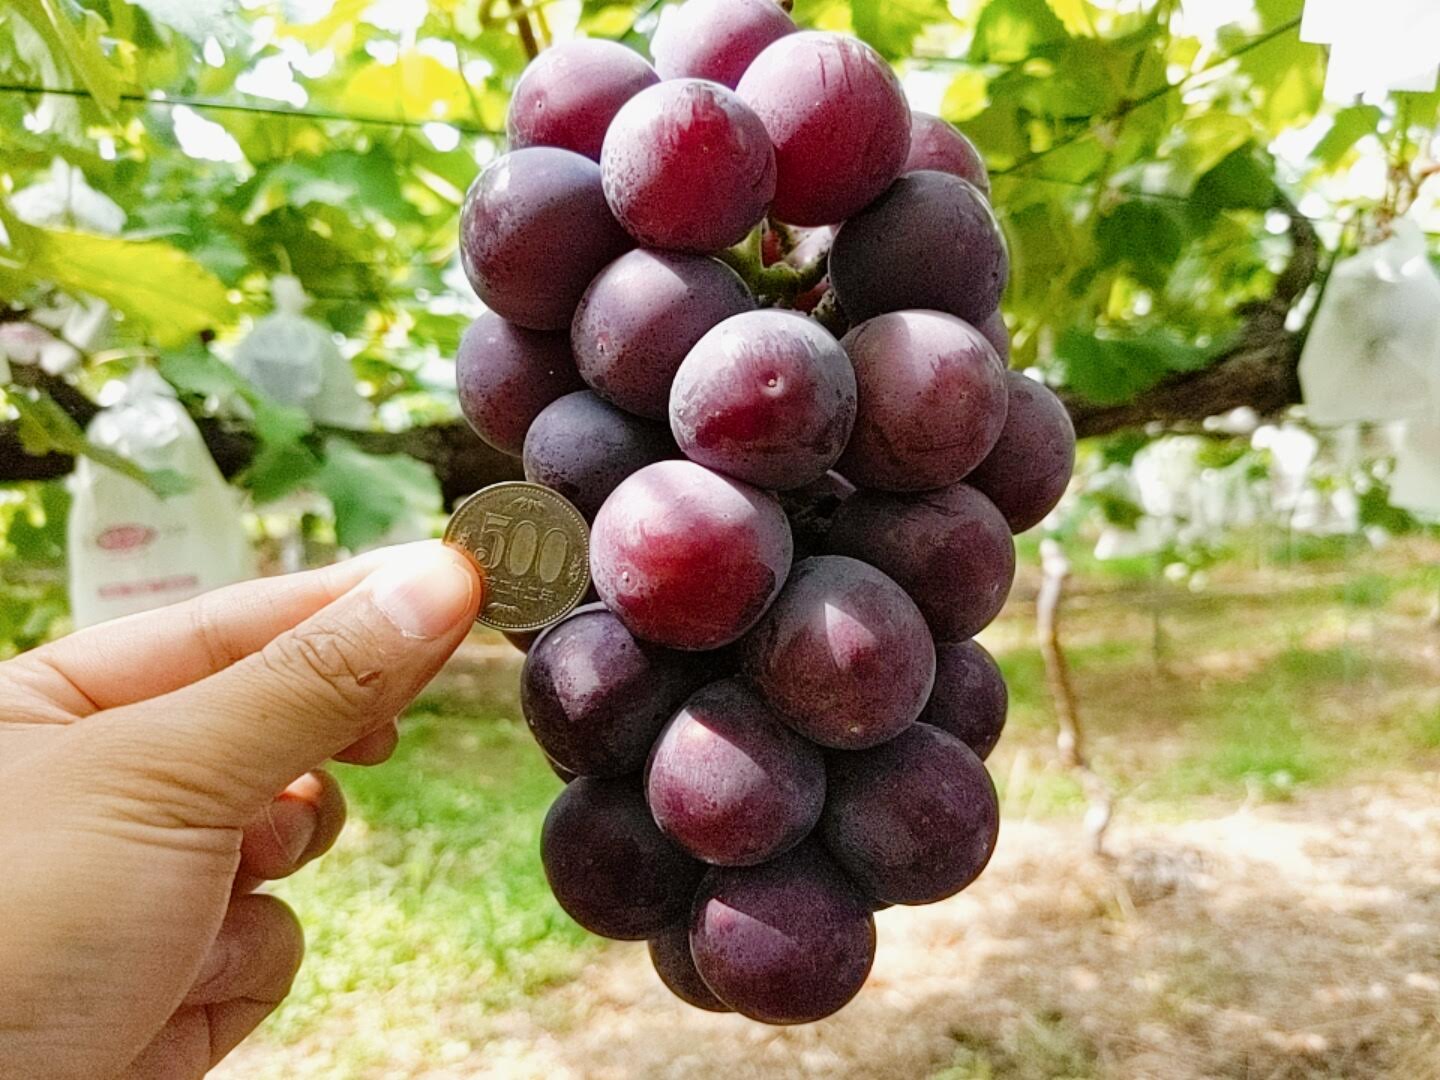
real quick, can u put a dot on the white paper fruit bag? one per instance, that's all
(293, 360)
(1415, 484)
(1374, 351)
(130, 550)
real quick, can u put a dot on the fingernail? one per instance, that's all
(425, 592)
(293, 824)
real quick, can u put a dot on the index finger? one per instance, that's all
(157, 652)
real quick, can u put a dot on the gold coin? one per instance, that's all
(533, 549)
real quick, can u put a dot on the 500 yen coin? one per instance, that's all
(533, 549)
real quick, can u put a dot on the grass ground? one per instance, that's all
(1270, 908)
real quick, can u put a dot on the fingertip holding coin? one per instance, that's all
(532, 549)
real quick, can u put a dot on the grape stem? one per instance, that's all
(777, 285)
(830, 315)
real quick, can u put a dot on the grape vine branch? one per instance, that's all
(1258, 370)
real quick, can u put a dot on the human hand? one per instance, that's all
(156, 769)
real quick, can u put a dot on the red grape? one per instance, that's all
(610, 868)
(936, 145)
(1029, 469)
(838, 118)
(730, 783)
(970, 699)
(688, 558)
(570, 93)
(687, 166)
(595, 698)
(789, 942)
(998, 334)
(534, 231)
(913, 821)
(507, 375)
(843, 655)
(522, 640)
(716, 39)
(931, 241)
(932, 401)
(642, 316)
(951, 550)
(670, 953)
(565, 775)
(767, 397)
(583, 447)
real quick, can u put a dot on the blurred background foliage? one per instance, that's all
(1152, 161)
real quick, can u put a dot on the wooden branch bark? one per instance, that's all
(462, 463)
(1261, 371)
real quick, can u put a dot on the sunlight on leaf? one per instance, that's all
(157, 285)
(372, 493)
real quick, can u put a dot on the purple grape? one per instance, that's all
(838, 118)
(930, 242)
(970, 698)
(789, 942)
(688, 558)
(522, 640)
(938, 146)
(566, 776)
(932, 401)
(534, 231)
(688, 167)
(595, 698)
(642, 316)
(730, 783)
(843, 654)
(670, 953)
(998, 334)
(583, 447)
(610, 868)
(716, 39)
(1030, 468)
(767, 397)
(570, 93)
(812, 509)
(507, 375)
(951, 550)
(913, 821)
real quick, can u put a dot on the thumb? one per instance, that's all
(218, 751)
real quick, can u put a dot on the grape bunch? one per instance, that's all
(744, 314)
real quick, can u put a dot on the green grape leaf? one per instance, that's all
(1108, 369)
(335, 30)
(607, 20)
(965, 97)
(1143, 236)
(1244, 180)
(892, 26)
(1010, 31)
(79, 45)
(1350, 126)
(371, 493)
(286, 459)
(36, 532)
(166, 292)
(415, 87)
